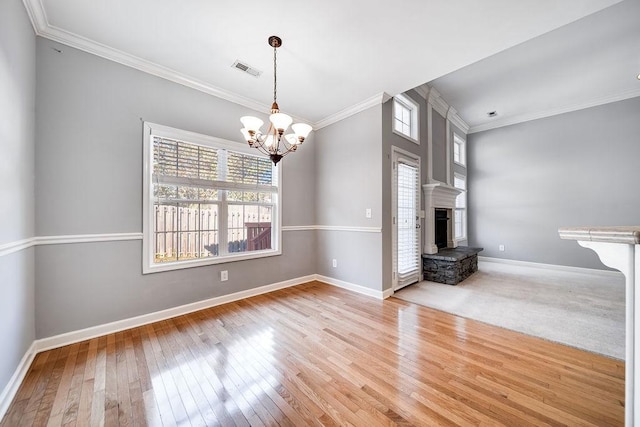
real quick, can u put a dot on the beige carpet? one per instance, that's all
(581, 310)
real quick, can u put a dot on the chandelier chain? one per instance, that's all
(275, 74)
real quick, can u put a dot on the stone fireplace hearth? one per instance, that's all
(442, 197)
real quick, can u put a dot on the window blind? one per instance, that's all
(408, 233)
(185, 170)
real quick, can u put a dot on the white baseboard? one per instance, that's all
(120, 325)
(565, 268)
(9, 392)
(353, 287)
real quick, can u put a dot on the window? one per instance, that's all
(405, 117)
(206, 201)
(459, 150)
(460, 182)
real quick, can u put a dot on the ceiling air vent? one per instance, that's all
(246, 68)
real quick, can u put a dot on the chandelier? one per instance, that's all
(274, 143)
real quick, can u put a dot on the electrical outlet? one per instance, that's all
(367, 213)
(224, 275)
(335, 263)
(501, 248)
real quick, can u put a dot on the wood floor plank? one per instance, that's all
(318, 355)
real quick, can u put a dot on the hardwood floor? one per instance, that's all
(318, 355)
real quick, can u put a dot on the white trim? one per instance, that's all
(457, 121)
(86, 238)
(133, 322)
(521, 118)
(423, 90)
(565, 268)
(437, 102)
(299, 228)
(377, 99)
(353, 287)
(10, 390)
(38, 18)
(345, 228)
(18, 245)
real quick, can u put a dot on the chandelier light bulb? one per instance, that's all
(280, 121)
(292, 139)
(251, 123)
(245, 134)
(301, 130)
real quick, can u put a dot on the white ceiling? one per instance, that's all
(335, 54)
(589, 62)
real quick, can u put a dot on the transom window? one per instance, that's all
(459, 150)
(405, 117)
(207, 201)
(460, 182)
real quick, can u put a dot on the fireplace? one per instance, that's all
(441, 227)
(440, 203)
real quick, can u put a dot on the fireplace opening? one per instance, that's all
(441, 227)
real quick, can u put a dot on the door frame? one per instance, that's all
(413, 159)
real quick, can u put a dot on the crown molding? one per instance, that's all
(456, 120)
(380, 98)
(521, 118)
(42, 28)
(37, 15)
(437, 102)
(423, 90)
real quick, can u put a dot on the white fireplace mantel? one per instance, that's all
(442, 196)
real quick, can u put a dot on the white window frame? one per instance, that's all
(148, 266)
(463, 210)
(462, 147)
(414, 109)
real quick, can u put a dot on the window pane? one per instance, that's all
(459, 223)
(208, 231)
(165, 192)
(249, 228)
(165, 236)
(207, 194)
(187, 193)
(397, 111)
(398, 125)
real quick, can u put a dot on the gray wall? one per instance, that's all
(89, 180)
(439, 150)
(389, 140)
(348, 180)
(575, 169)
(17, 112)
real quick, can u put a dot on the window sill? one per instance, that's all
(179, 265)
(415, 141)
